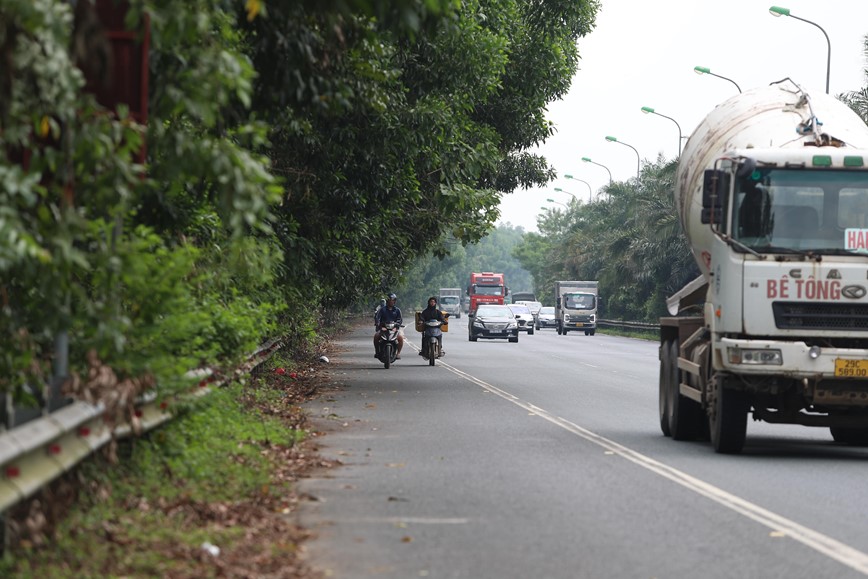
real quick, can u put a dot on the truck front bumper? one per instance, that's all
(576, 325)
(791, 359)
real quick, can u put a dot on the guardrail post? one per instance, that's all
(5, 422)
(61, 370)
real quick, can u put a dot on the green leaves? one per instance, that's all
(297, 158)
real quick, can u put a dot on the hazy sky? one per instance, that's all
(642, 53)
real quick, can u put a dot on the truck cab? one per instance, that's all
(486, 288)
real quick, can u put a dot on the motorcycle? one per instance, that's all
(387, 344)
(431, 349)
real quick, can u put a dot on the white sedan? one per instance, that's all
(524, 318)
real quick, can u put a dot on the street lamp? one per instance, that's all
(706, 70)
(590, 189)
(587, 160)
(778, 11)
(638, 159)
(652, 111)
(559, 190)
(558, 202)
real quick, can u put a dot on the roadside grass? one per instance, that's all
(651, 335)
(215, 474)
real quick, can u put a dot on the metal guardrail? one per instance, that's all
(36, 453)
(623, 325)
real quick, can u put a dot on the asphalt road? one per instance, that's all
(544, 459)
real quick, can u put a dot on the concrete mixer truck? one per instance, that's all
(772, 194)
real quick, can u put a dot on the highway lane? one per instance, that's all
(544, 459)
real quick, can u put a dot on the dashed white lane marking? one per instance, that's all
(821, 543)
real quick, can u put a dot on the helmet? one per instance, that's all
(392, 296)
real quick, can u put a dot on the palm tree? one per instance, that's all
(858, 100)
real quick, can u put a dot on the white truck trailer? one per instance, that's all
(772, 194)
(576, 306)
(450, 301)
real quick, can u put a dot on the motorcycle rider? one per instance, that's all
(380, 306)
(432, 312)
(389, 313)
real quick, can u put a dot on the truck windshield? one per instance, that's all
(489, 290)
(818, 210)
(449, 300)
(579, 301)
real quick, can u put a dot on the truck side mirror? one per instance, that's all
(559, 302)
(715, 186)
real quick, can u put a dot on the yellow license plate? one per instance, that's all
(851, 368)
(579, 324)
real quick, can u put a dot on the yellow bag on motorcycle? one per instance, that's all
(420, 325)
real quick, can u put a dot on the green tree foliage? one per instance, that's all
(629, 240)
(404, 142)
(299, 155)
(858, 99)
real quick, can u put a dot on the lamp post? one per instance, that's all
(638, 158)
(559, 190)
(590, 189)
(706, 70)
(587, 160)
(778, 11)
(653, 112)
(565, 206)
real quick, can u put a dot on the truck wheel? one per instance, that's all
(727, 418)
(587, 332)
(530, 332)
(593, 332)
(663, 388)
(851, 436)
(685, 415)
(559, 330)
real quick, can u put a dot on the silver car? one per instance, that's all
(546, 318)
(534, 307)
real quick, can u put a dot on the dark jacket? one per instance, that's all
(432, 313)
(389, 314)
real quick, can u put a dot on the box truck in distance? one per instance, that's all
(450, 301)
(576, 306)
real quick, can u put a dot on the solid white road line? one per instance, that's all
(824, 544)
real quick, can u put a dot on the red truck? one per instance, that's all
(486, 288)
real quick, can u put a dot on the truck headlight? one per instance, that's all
(593, 318)
(566, 317)
(755, 357)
